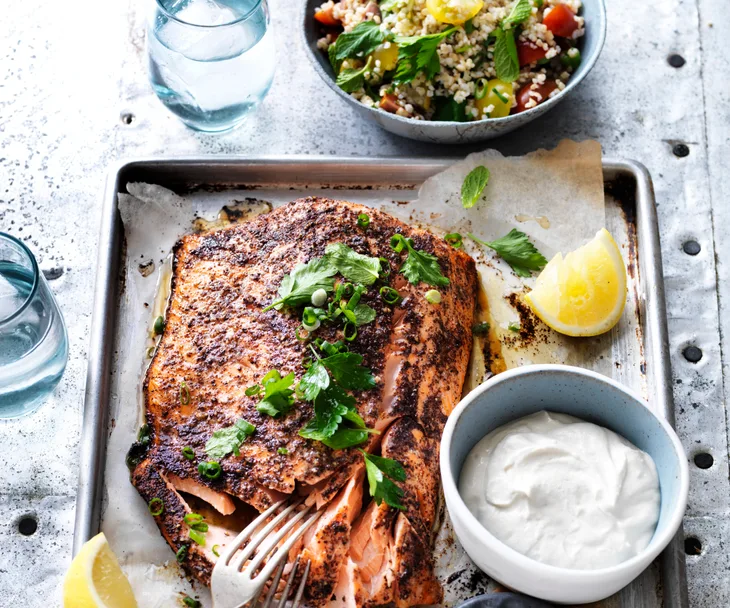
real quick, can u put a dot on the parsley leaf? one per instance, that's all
(314, 380)
(332, 408)
(278, 397)
(419, 54)
(352, 80)
(348, 371)
(297, 287)
(362, 40)
(473, 186)
(419, 265)
(353, 266)
(448, 110)
(520, 12)
(517, 250)
(380, 472)
(228, 439)
(506, 63)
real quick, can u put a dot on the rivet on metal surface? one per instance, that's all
(675, 60)
(691, 247)
(692, 354)
(692, 546)
(704, 460)
(680, 150)
(27, 525)
(127, 118)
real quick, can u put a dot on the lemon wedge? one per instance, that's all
(583, 293)
(95, 579)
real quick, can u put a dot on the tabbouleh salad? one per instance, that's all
(451, 59)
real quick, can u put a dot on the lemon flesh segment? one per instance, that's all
(95, 579)
(455, 12)
(583, 293)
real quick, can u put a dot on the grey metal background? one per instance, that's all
(74, 97)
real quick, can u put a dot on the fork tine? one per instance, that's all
(289, 581)
(303, 582)
(263, 535)
(282, 551)
(256, 599)
(231, 548)
(274, 584)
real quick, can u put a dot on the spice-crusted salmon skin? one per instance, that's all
(218, 340)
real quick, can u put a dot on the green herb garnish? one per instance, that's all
(282, 451)
(181, 553)
(506, 62)
(184, 393)
(159, 325)
(252, 390)
(462, 49)
(517, 250)
(298, 287)
(353, 79)
(380, 473)
(191, 603)
(228, 440)
(156, 507)
(363, 220)
(334, 409)
(433, 296)
(418, 54)
(197, 537)
(500, 96)
(188, 452)
(520, 12)
(454, 239)
(419, 265)
(513, 326)
(353, 266)
(390, 6)
(215, 549)
(348, 371)
(278, 396)
(390, 295)
(448, 110)
(210, 470)
(473, 186)
(362, 40)
(480, 328)
(469, 26)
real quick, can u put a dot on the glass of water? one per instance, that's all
(211, 62)
(33, 342)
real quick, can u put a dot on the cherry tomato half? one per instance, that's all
(455, 12)
(495, 93)
(561, 21)
(325, 17)
(528, 52)
(523, 95)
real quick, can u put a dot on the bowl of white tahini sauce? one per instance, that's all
(563, 491)
(561, 483)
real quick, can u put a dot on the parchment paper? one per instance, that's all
(562, 188)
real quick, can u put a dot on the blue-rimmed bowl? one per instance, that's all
(590, 45)
(591, 397)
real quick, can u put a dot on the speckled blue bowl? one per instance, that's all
(594, 12)
(586, 395)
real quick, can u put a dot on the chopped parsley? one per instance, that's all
(381, 471)
(473, 186)
(517, 250)
(419, 265)
(277, 395)
(228, 440)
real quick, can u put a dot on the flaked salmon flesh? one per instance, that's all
(219, 341)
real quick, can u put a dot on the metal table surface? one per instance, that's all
(74, 97)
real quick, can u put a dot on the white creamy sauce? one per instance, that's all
(563, 491)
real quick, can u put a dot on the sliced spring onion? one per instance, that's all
(150, 352)
(188, 452)
(462, 49)
(201, 527)
(156, 507)
(347, 290)
(514, 326)
(184, 393)
(298, 333)
(480, 90)
(350, 331)
(215, 551)
(283, 451)
(454, 239)
(314, 326)
(181, 554)
(319, 298)
(191, 603)
(433, 296)
(502, 98)
(310, 322)
(363, 220)
(384, 268)
(210, 470)
(252, 390)
(349, 315)
(192, 518)
(197, 537)
(159, 325)
(397, 242)
(480, 328)
(390, 295)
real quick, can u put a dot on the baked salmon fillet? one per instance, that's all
(218, 340)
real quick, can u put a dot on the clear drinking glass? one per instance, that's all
(210, 61)
(33, 342)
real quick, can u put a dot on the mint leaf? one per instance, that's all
(362, 40)
(353, 266)
(447, 110)
(363, 314)
(379, 470)
(419, 54)
(228, 439)
(506, 63)
(297, 287)
(517, 250)
(520, 12)
(314, 380)
(348, 371)
(278, 397)
(352, 80)
(473, 186)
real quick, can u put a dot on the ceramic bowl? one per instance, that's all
(504, 600)
(594, 12)
(591, 397)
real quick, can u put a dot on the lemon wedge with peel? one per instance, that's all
(95, 579)
(583, 293)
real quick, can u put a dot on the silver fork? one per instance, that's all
(235, 583)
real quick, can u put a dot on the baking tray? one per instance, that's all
(641, 361)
